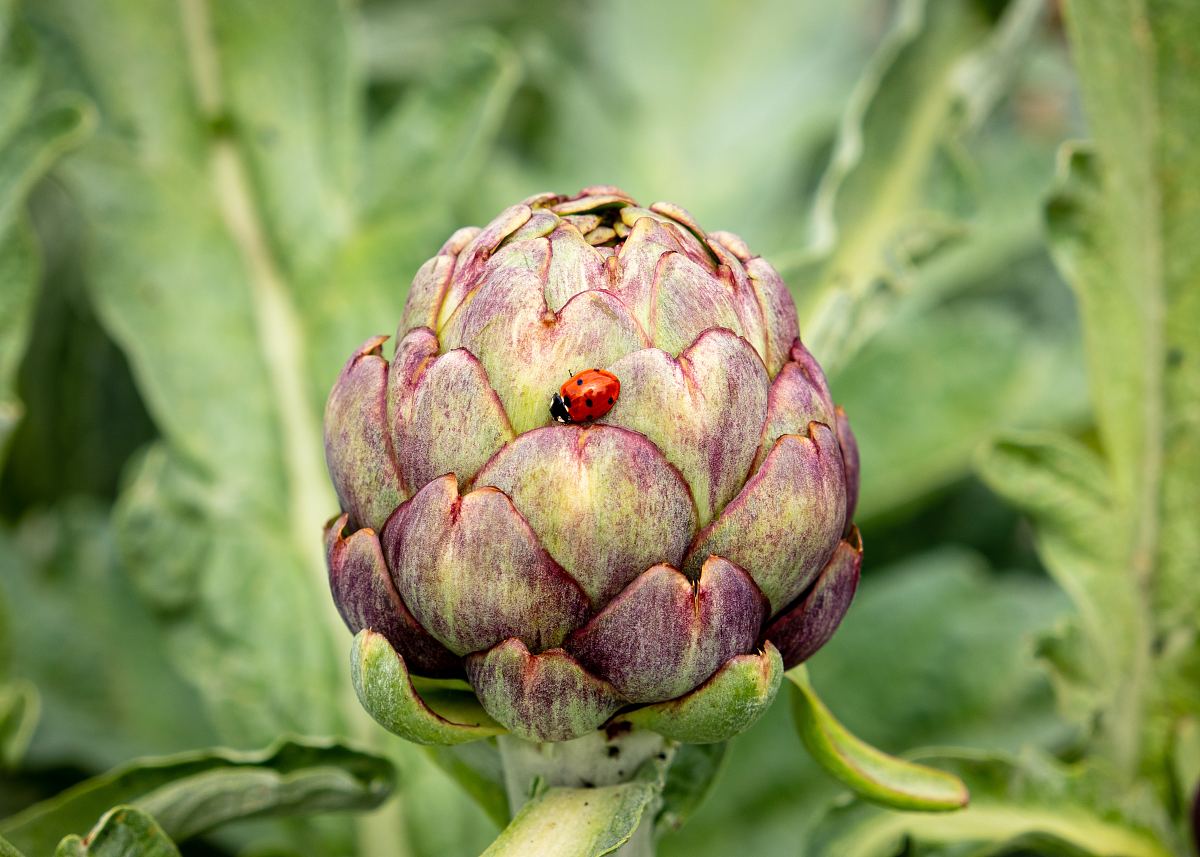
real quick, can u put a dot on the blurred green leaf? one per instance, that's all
(221, 202)
(180, 265)
(872, 196)
(123, 831)
(690, 779)
(427, 150)
(1065, 486)
(7, 850)
(1029, 801)
(83, 417)
(233, 445)
(983, 336)
(194, 792)
(439, 817)
(290, 96)
(723, 109)
(1123, 228)
(1118, 529)
(19, 703)
(934, 385)
(95, 668)
(31, 139)
(35, 145)
(19, 709)
(868, 772)
(18, 270)
(477, 768)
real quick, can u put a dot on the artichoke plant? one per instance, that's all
(658, 567)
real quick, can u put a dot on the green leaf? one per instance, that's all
(194, 792)
(900, 118)
(424, 712)
(7, 849)
(938, 382)
(221, 201)
(583, 116)
(870, 773)
(566, 822)
(107, 690)
(30, 142)
(441, 812)
(690, 780)
(123, 831)
(36, 145)
(1065, 487)
(19, 703)
(1128, 244)
(182, 260)
(968, 678)
(477, 768)
(432, 145)
(19, 272)
(1123, 228)
(1030, 801)
(290, 96)
(19, 708)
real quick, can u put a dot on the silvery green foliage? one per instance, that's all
(203, 206)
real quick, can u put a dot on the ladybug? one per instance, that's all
(586, 396)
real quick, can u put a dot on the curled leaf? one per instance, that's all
(123, 831)
(190, 793)
(870, 773)
(566, 822)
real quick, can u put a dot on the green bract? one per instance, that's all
(662, 565)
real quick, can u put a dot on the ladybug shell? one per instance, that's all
(590, 394)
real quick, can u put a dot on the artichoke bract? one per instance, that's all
(659, 566)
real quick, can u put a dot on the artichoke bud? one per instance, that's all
(657, 553)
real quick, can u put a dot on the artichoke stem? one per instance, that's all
(603, 758)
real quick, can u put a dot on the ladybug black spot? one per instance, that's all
(588, 402)
(610, 400)
(579, 382)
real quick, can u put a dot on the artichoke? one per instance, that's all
(660, 565)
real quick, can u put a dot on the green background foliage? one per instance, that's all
(205, 205)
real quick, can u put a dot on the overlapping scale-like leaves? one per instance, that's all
(358, 448)
(604, 501)
(431, 399)
(660, 566)
(663, 635)
(473, 573)
(704, 411)
(524, 345)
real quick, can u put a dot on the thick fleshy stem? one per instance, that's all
(593, 761)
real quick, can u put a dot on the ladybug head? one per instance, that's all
(558, 409)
